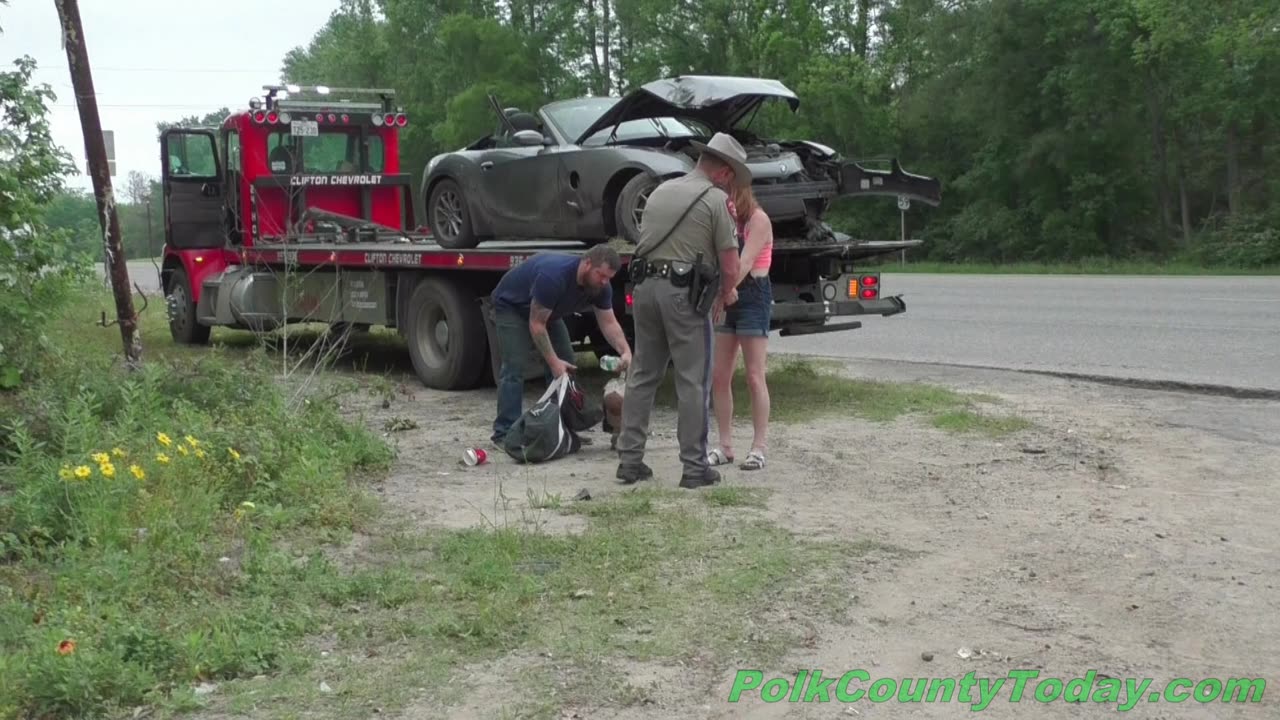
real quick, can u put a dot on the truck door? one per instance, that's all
(191, 177)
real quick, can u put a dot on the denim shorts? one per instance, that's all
(751, 314)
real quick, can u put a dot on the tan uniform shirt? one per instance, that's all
(708, 228)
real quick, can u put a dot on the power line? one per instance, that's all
(256, 71)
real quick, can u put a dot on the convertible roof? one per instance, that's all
(717, 100)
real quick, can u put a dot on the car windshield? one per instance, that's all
(574, 117)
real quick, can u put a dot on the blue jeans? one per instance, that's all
(514, 346)
(752, 313)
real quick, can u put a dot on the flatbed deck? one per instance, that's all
(501, 255)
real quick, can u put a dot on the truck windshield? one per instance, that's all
(332, 151)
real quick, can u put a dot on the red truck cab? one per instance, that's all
(296, 157)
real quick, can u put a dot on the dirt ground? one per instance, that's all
(1133, 533)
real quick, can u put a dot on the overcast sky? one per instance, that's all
(155, 60)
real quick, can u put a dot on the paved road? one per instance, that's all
(1213, 330)
(144, 273)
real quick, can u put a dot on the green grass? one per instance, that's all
(140, 513)
(804, 389)
(961, 421)
(1084, 267)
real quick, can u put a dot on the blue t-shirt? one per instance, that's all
(551, 278)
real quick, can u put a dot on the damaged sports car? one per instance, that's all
(581, 169)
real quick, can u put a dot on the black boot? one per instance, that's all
(631, 474)
(707, 477)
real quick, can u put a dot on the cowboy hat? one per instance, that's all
(726, 148)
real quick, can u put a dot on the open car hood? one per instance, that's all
(718, 101)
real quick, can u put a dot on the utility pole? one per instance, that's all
(100, 171)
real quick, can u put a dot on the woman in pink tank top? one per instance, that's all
(745, 325)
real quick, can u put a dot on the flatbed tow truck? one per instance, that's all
(297, 211)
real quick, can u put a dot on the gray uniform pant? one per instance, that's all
(667, 329)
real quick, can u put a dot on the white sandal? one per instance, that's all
(754, 461)
(718, 457)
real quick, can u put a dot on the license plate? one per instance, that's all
(304, 128)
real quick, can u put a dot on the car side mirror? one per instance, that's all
(529, 138)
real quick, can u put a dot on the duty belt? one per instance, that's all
(659, 268)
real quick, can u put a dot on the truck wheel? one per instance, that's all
(448, 217)
(631, 202)
(183, 326)
(446, 335)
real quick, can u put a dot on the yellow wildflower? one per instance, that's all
(137, 472)
(243, 510)
(200, 453)
(182, 449)
(162, 458)
(192, 441)
(232, 452)
(65, 473)
(163, 439)
(108, 470)
(100, 458)
(118, 452)
(248, 505)
(83, 472)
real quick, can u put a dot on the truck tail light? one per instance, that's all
(259, 117)
(389, 119)
(272, 118)
(630, 301)
(402, 120)
(866, 287)
(870, 287)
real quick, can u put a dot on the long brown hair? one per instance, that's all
(744, 204)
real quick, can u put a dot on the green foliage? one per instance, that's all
(36, 264)
(140, 514)
(1061, 129)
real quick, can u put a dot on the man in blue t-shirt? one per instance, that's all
(530, 303)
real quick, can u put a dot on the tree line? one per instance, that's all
(1061, 129)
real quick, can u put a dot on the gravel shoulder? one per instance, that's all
(1128, 532)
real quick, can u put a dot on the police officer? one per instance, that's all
(685, 220)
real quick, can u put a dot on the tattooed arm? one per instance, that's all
(538, 316)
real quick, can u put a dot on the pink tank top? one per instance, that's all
(765, 258)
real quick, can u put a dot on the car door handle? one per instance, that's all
(486, 165)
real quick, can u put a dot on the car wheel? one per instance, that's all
(448, 216)
(630, 206)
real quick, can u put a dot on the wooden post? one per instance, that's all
(96, 152)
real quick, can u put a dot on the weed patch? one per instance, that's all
(969, 421)
(140, 513)
(805, 389)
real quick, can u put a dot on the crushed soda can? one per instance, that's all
(610, 363)
(475, 456)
